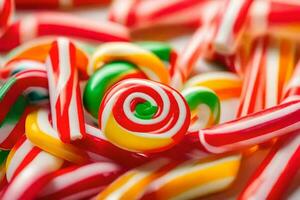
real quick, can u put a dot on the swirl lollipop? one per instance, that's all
(151, 116)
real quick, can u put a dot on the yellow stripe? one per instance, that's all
(50, 144)
(194, 179)
(126, 140)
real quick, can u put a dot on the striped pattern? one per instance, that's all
(95, 147)
(194, 179)
(61, 4)
(64, 91)
(133, 183)
(231, 24)
(204, 106)
(26, 160)
(80, 182)
(54, 23)
(118, 117)
(6, 13)
(284, 160)
(229, 84)
(269, 70)
(12, 103)
(145, 60)
(137, 14)
(248, 131)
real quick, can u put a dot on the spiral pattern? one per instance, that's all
(151, 116)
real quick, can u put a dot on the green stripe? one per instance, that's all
(160, 49)
(101, 81)
(3, 156)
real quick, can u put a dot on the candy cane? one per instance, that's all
(38, 50)
(95, 147)
(53, 23)
(204, 105)
(146, 61)
(270, 68)
(78, 182)
(6, 13)
(57, 4)
(283, 158)
(231, 23)
(250, 130)
(133, 183)
(144, 14)
(153, 117)
(26, 160)
(229, 84)
(64, 92)
(17, 85)
(3, 156)
(193, 179)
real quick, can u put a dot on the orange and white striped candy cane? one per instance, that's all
(6, 13)
(230, 25)
(64, 91)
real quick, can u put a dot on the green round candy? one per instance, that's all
(103, 79)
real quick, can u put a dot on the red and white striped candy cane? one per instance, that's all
(6, 13)
(268, 71)
(284, 159)
(55, 23)
(230, 25)
(17, 85)
(28, 168)
(80, 182)
(61, 4)
(273, 176)
(250, 130)
(137, 14)
(64, 91)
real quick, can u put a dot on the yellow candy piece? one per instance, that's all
(149, 63)
(41, 134)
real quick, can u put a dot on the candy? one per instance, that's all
(144, 14)
(133, 183)
(57, 4)
(26, 160)
(268, 71)
(23, 154)
(151, 116)
(3, 155)
(17, 85)
(250, 130)
(53, 23)
(284, 160)
(13, 126)
(6, 12)
(78, 182)
(38, 50)
(147, 62)
(229, 84)
(105, 78)
(230, 25)
(94, 147)
(193, 179)
(64, 91)
(204, 106)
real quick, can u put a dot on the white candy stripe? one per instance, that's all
(17, 158)
(75, 176)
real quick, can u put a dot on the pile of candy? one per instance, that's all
(86, 112)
